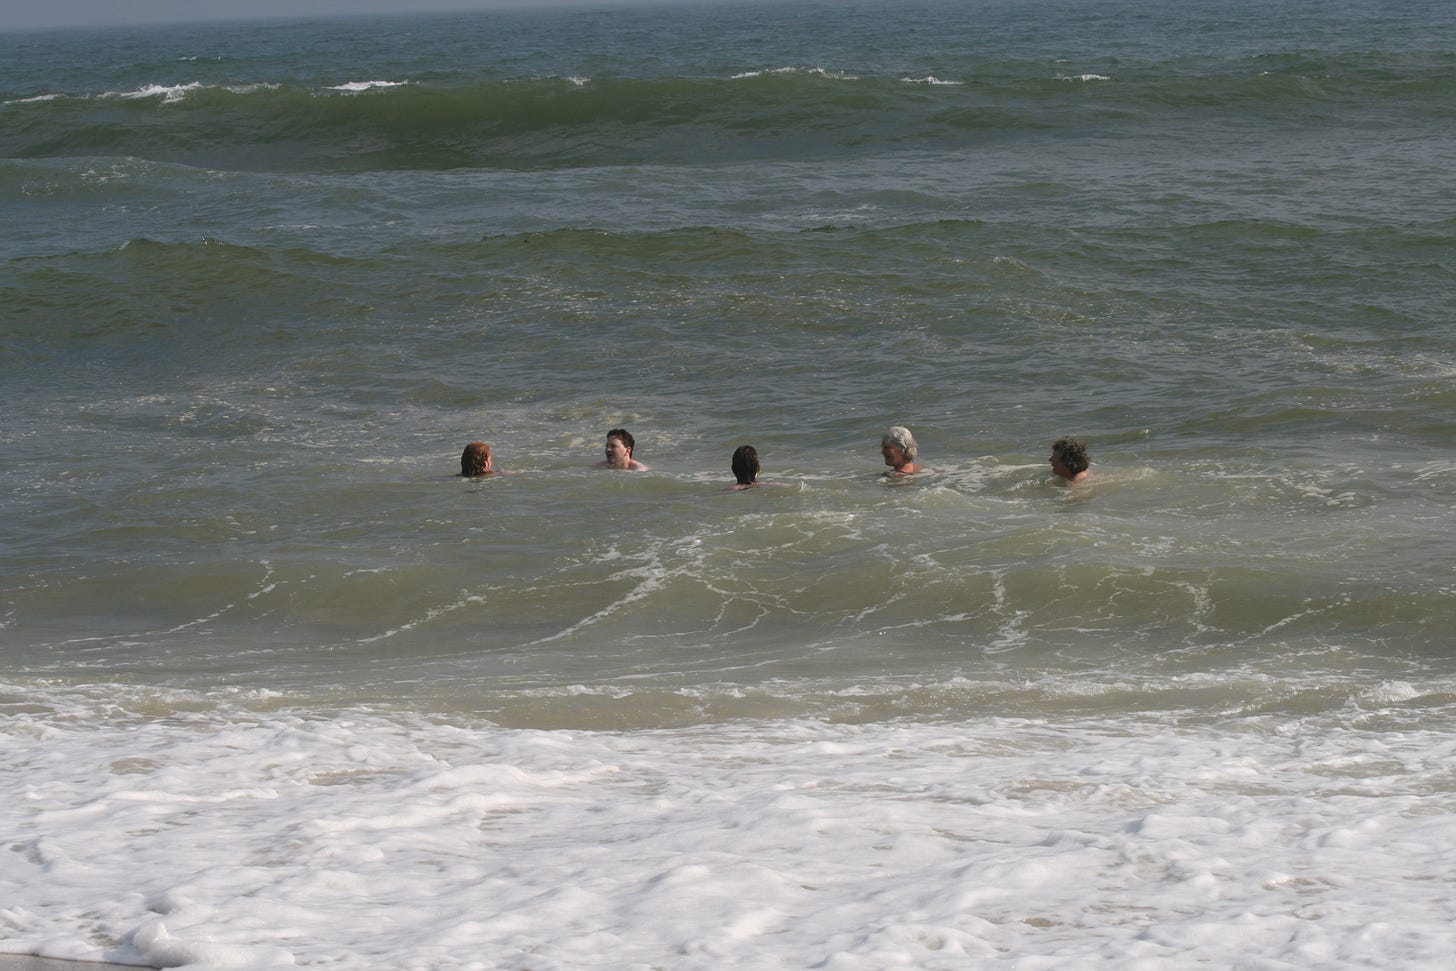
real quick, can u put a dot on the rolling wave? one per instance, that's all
(790, 112)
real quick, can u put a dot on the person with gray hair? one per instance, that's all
(898, 447)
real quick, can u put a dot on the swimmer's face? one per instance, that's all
(894, 455)
(618, 454)
(1058, 467)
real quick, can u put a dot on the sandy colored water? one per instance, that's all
(29, 962)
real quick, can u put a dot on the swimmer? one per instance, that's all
(1069, 460)
(899, 449)
(620, 446)
(746, 469)
(475, 461)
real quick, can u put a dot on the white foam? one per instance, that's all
(354, 86)
(246, 839)
(167, 92)
(814, 71)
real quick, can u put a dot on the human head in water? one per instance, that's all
(745, 464)
(898, 447)
(1069, 459)
(475, 460)
(619, 449)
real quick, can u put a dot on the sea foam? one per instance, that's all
(246, 838)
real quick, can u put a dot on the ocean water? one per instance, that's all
(279, 690)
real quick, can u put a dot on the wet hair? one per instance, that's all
(624, 436)
(745, 464)
(900, 437)
(1072, 454)
(475, 459)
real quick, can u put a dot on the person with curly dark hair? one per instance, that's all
(1069, 460)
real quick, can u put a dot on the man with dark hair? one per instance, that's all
(745, 466)
(620, 446)
(1069, 459)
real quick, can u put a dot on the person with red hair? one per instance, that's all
(475, 461)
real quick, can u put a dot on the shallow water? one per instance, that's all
(273, 677)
